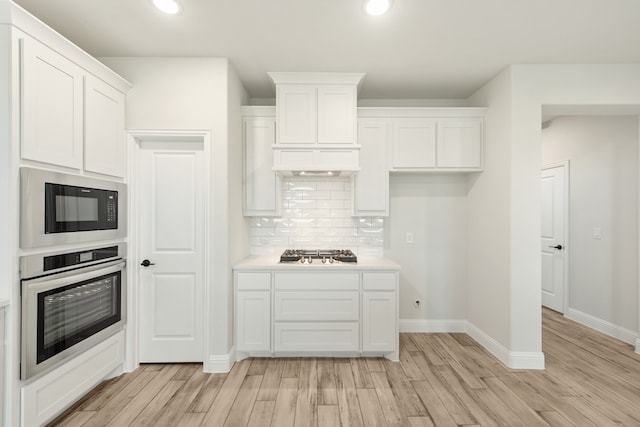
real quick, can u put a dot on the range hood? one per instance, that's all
(316, 124)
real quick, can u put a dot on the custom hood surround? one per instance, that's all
(316, 123)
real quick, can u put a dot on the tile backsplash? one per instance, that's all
(316, 214)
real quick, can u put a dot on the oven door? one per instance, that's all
(65, 314)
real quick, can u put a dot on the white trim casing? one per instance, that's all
(607, 328)
(216, 363)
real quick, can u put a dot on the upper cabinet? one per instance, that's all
(72, 108)
(261, 183)
(432, 139)
(371, 184)
(52, 121)
(316, 121)
(104, 129)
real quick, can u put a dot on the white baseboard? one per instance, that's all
(600, 325)
(220, 363)
(638, 345)
(512, 359)
(433, 325)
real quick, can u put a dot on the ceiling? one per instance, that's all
(422, 49)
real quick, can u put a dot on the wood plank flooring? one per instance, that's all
(441, 380)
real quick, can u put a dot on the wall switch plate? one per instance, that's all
(597, 233)
(409, 237)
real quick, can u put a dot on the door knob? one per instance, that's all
(558, 247)
(147, 263)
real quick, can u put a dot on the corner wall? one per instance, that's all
(511, 187)
(199, 94)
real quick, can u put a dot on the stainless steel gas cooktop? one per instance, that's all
(324, 256)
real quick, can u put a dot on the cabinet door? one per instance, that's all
(371, 183)
(253, 321)
(459, 143)
(379, 321)
(297, 112)
(414, 143)
(104, 128)
(51, 106)
(337, 114)
(262, 184)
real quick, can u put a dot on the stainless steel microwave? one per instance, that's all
(58, 208)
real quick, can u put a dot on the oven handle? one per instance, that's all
(45, 283)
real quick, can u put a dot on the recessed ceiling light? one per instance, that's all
(171, 7)
(377, 7)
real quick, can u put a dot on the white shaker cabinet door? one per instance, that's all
(52, 108)
(104, 129)
(297, 112)
(253, 317)
(379, 331)
(459, 143)
(371, 183)
(413, 143)
(337, 114)
(262, 184)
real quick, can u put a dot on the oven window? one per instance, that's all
(72, 209)
(74, 312)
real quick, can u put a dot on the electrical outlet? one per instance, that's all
(409, 238)
(597, 233)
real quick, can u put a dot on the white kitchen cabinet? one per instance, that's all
(52, 106)
(337, 114)
(343, 310)
(431, 139)
(459, 143)
(413, 143)
(253, 312)
(371, 184)
(379, 312)
(316, 122)
(261, 183)
(316, 114)
(104, 145)
(297, 113)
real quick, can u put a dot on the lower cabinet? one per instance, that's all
(253, 312)
(316, 313)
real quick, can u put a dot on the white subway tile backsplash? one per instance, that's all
(316, 214)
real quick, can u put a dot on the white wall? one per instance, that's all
(199, 93)
(603, 156)
(489, 220)
(434, 209)
(238, 225)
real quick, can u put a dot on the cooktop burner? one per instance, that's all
(326, 256)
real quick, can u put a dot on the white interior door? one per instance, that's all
(171, 231)
(552, 242)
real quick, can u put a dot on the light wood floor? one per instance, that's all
(441, 380)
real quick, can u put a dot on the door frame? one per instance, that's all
(566, 247)
(134, 138)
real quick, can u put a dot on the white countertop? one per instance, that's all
(4, 303)
(273, 262)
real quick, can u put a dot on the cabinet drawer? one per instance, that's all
(317, 306)
(319, 281)
(379, 281)
(302, 337)
(253, 281)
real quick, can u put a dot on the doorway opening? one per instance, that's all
(601, 144)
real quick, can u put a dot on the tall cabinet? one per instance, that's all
(60, 110)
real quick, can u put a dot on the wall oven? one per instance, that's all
(58, 208)
(71, 301)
